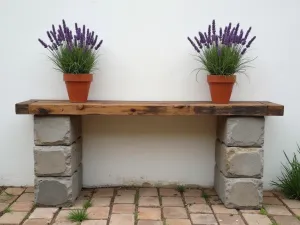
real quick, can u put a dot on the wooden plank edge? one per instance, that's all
(23, 107)
(274, 109)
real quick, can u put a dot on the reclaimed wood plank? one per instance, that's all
(164, 108)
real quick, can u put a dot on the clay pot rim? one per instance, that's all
(84, 77)
(221, 78)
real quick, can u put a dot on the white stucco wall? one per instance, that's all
(146, 56)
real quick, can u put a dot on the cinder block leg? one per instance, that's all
(57, 157)
(239, 161)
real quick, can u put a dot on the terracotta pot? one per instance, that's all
(220, 88)
(78, 86)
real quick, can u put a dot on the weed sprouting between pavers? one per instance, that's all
(181, 188)
(78, 215)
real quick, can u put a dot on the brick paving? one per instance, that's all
(146, 206)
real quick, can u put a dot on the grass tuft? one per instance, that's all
(78, 215)
(87, 204)
(7, 210)
(204, 195)
(289, 182)
(181, 188)
(263, 211)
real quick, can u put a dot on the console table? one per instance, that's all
(238, 152)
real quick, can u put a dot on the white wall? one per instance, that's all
(146, 56)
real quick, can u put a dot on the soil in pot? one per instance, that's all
(78, 86)
(221, 88)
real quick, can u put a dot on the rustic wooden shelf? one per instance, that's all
(164, 108)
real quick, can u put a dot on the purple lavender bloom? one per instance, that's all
(250, 42)
(54, 37)
(209, 33)
(237, 29)
(81, 40)
(75, 42)
(198, 42)
(247, 34)
(244, 51)
(229, 28)
(64, 25)
(43, 43)
(216, 41)
(202, 38)
(60, 31)
(240, 37)
(83, 31)
(194, 45)
(76, 27)
(220, 33)
(214, 27)
(54, 46)
(206, 38)
(49, 36)
(98, 46)
(95, 41)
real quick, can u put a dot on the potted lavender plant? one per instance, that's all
(222, 55)
(75, 55)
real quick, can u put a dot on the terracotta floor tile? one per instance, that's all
(192, 193)
(126, 192)
(63, 216)
(78, 204)
(271, 201)
(26, 197)
(123, 208)
(174, 213)
(36, 222)
(195, 200)
(124, 219)
(29, 190)
(268, 194)
(148, 201)
(149, 213)
(229, 219)
(94, 222)
(98, 213)
(124, 199)
(293, 204)
(221, 209)
(257, 219)
(14, 191)
(199, 208)
(12, 218)
(104, 192)
(172, 201)
(168, 192)
(250, 211)
(178, 222)
(150, 222)
(43, 213)
(3, 206)
(278, 210)
(101, 201)
(215, 200)
(210, 192)
(7, 199)
(21, 206)
(286, 220)
(148, 192)
(203, 219)
(296, 211)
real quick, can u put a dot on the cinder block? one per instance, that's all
(58, 191)
(241, 131)
(57, 160)
(56, 130)
(239, 162)
(239, 193)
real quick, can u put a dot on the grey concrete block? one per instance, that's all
(57, 160)
(239, 193)
(58, 191)
(241, 131)
(56, 130)
(239, 162)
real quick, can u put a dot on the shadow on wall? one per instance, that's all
(123, 150)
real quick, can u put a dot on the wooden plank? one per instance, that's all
(274, 109)
(164, 108)
(23, 107)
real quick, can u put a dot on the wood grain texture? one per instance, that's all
(163, 108)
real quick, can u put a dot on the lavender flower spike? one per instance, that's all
(198, 42)
(247, 33)
(98, 46)
(214, 27)
(193, 44)
(49, 36)
(250, 42)
(244, 51)
(220, 33)
(43, 43)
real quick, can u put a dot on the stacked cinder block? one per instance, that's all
(239, 161)
(57, 159)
